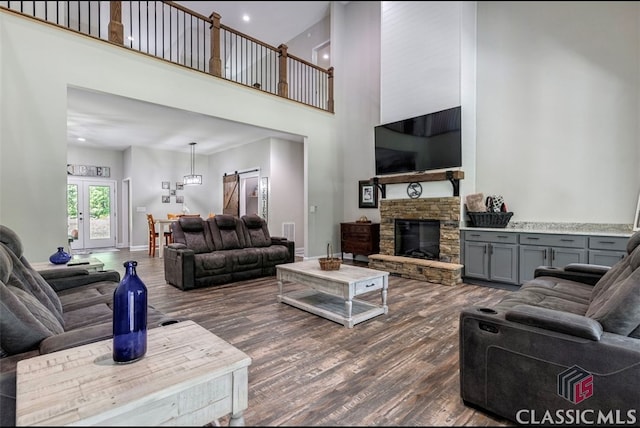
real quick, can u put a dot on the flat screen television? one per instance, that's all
(422, 143)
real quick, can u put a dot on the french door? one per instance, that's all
(91, 213)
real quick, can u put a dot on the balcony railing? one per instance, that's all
(174, 33)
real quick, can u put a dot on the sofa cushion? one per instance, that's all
(230, 239)
(543, 299)
(11, 239)
(274, 255)
(622, 269)
(252, 221)
(22, 276)
(195, 235)
(225, 221)
(84, 316)
(257, 231)
(24, 321)
(37, 309)
(633, 243)
(560, 287)
(211, 263)
(617, 307)
(226, 232)
(244, 259)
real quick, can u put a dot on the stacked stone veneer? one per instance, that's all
(448, 269)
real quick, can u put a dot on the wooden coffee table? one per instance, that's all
(189, 376)
(331, 294)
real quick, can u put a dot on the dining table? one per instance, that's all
(162, 225)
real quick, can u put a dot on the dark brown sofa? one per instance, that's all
(564, 347)
(47, 311)
(221, 250)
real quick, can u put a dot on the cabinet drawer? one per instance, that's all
(366, 237)
(353, 229)
(364, 248)
(369, 285)
(605, 258)
(614, 243)
(552, 240)
(484, 236)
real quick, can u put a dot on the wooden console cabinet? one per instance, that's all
(360, 238)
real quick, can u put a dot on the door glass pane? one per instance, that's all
(99, 212)
(72, 211)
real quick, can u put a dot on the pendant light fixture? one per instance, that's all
(192, 178)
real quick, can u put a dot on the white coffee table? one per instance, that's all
(88, 263)
(188, 377)
(331, 294)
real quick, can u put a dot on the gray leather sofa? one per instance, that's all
(47, 311)
(563, 349)
(222, 249)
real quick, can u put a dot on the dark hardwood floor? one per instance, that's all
(399, 369)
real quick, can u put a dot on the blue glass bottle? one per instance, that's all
(129, 317)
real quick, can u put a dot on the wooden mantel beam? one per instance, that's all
(420, 176)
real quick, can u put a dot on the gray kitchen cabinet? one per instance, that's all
(491, 256)
(607, 250)
(538, 249)
(511, 257)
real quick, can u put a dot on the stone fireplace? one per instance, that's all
(417, 238)
(446, 269)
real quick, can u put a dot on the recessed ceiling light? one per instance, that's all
(246, 18)
(81, 139)
(130, 38)
(325, 56)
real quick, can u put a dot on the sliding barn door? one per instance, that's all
(231, 191)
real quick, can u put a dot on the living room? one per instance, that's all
(549, 93)
(570, 139)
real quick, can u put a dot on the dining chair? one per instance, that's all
(153, 236)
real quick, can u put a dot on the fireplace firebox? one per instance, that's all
(417, 238)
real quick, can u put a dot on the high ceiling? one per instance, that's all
(112, 122)
(273, 22)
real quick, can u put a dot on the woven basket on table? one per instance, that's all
(489, 219)
(329, 263)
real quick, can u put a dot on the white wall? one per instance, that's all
(33, 124)
(286, 182)
(558, 109)
(554, 104)
(420, 55)
(359, 75)
(303, 45)
(242, 158)
(282, 162)
(420, 58)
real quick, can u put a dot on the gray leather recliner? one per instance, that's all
(47, 311)
(563, 349)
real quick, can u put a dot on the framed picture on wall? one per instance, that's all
(179, 186)
(166, 184)
(179, 199)
(636, 221)
(166, 199)
(367, 194)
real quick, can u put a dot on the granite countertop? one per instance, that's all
(596, 229)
